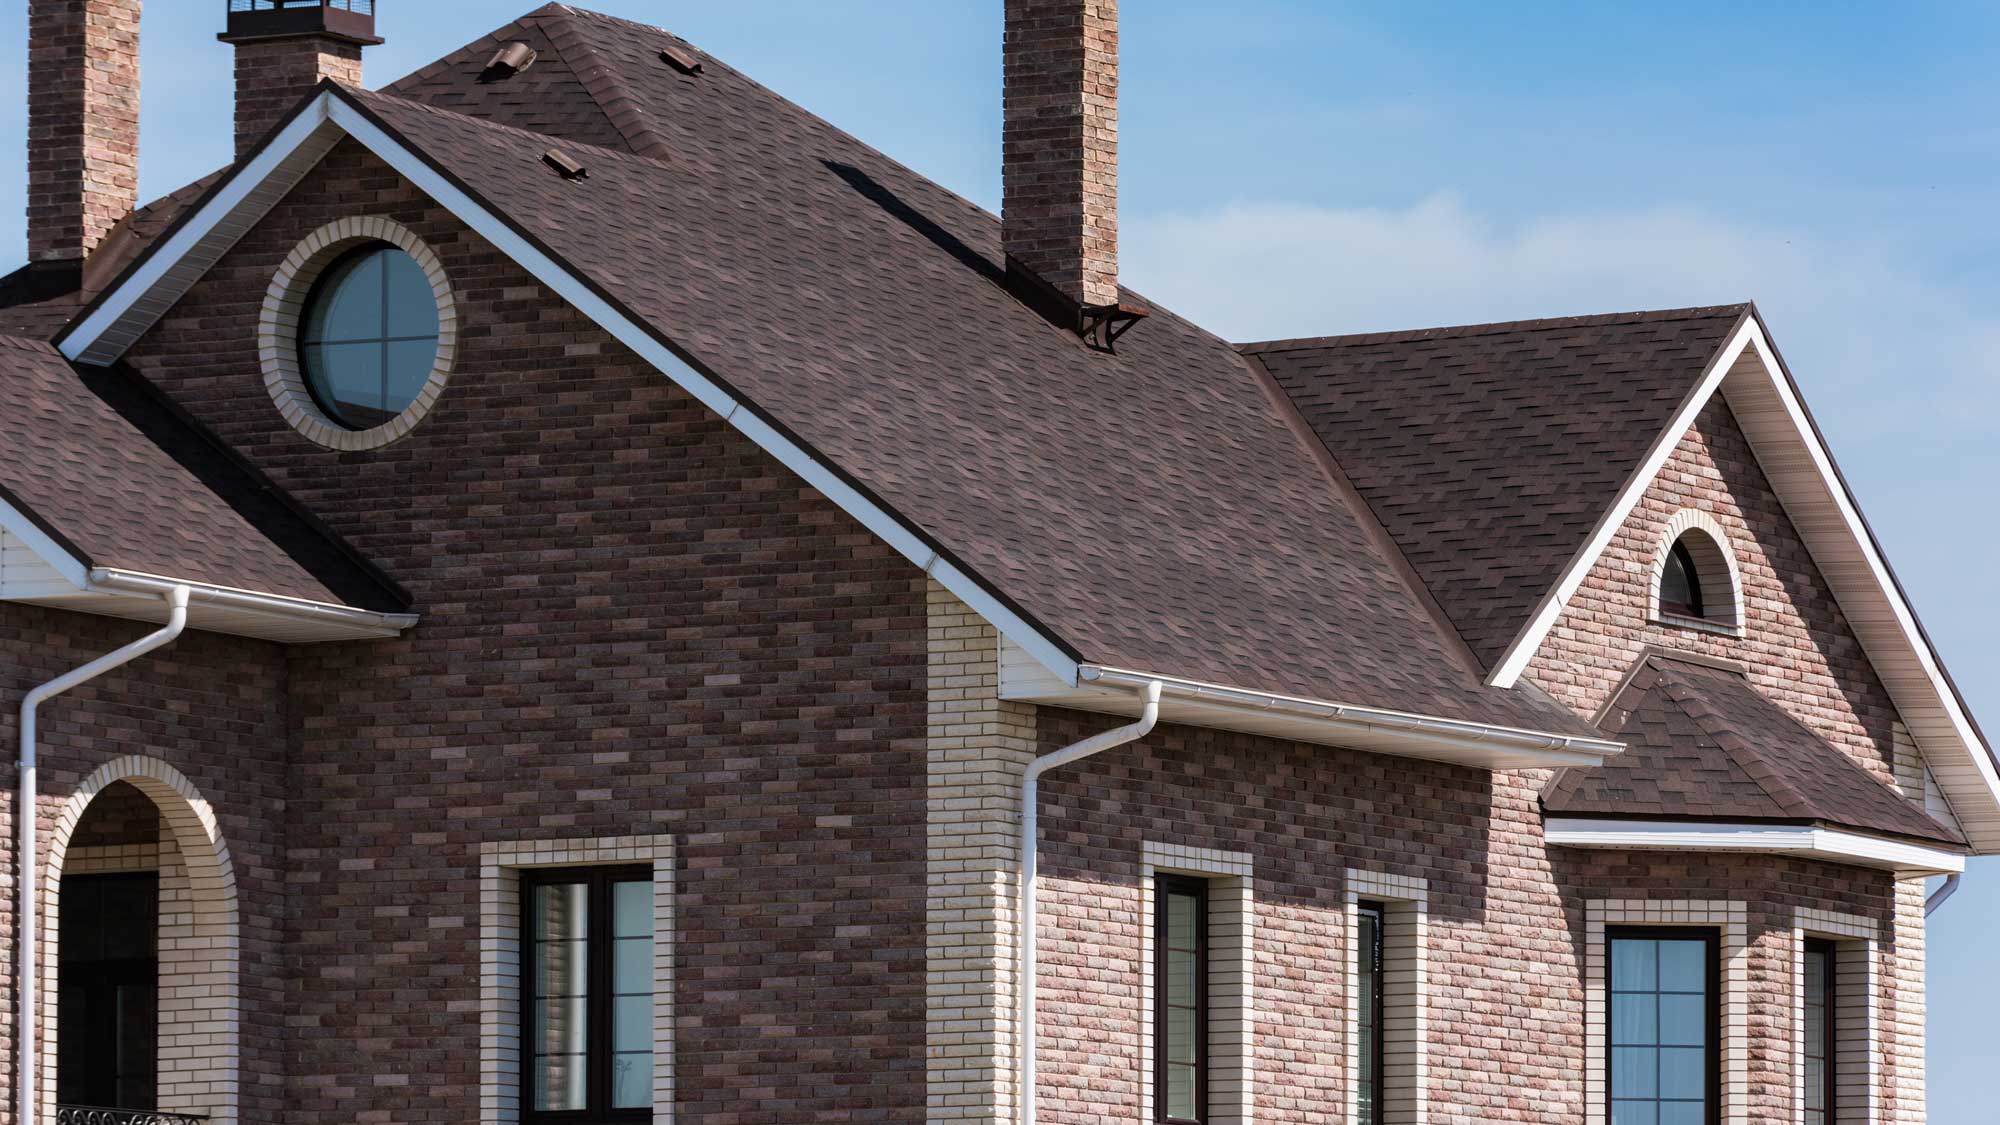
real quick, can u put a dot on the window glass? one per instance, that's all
(1819, 1053)
(1660, 1032)
(1680, 583)
(1368, 1014)
(590, 992)
(1181, 934)
(370, 336)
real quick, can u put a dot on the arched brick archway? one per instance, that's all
(200, 987)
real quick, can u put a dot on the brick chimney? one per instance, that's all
(83, 124)
(284, 48)
(1060, 145)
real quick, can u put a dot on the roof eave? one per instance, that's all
(1908, 859)
(1377, 730)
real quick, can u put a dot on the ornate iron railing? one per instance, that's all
(100, 1115)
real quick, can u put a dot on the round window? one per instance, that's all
(369, 339)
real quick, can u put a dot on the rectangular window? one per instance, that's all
(588, 1018)
(1368, 1014)
(1821, 1077)
(1180, 941)
(1664, 1033)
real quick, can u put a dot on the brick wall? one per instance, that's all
(83, 123)
(211, 707)
(636, 623)
(273, 75)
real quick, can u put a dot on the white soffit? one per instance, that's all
(1760, 394)
(125, 312)
(1908, 860)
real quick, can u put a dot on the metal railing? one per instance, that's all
(361, 7)
(101, 1115)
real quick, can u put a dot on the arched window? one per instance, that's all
(1695, 579)
(1680, 582)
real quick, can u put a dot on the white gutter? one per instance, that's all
(1025, 936)
(26, 1054)
(109, 580)
(1445, 733)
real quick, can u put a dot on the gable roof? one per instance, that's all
(109, 476)
(1172, 523)
(1702, 744)
(1490, 451)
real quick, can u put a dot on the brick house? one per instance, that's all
(544, 592)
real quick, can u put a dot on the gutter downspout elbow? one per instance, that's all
(26, 1051)
(1024, 937)
(1944, 892)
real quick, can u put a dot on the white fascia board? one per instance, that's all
(1507, 671)
(1366, 727)
(72, 569)
(86, 342)
(1906, 618)
(1909, 860)
(330, 110)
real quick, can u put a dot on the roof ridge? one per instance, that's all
(600, 79)
(365, 98)
(1496, 328)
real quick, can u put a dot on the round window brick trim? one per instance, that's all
(284, 303)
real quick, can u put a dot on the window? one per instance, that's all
(1180, 1078)
(588, 1018)
(1680, 583)
(1368, 1013)
(1664, 1017)
(369, 339)
(1818, 1046)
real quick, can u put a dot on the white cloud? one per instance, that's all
(1849, 316)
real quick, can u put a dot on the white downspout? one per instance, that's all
(1025, 936)
(26, 1053)
(1938, 896)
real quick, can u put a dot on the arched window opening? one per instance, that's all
(1680, 583)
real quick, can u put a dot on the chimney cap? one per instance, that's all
(351, 21)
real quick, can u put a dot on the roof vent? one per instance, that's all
(680, 60)
(508, 61)
(563, 164)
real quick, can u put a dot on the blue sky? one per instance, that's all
(1296, 168)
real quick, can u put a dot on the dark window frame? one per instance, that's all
(1713, 940)
(317, 292)
(1165, 887)
(599, 1009)
(1378, 1007)
(1829, 1026)
(1695, 607)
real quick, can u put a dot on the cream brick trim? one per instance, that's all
(1732, 920)
(1900, 1024)
(978, 749)
(1857, 1017)
(199, 989)
(1405, 994)
(113, 859)
(1710, 549)
(500, 865)
(1232, 939)
(278, 330)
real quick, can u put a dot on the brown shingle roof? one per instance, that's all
(1152, 509)
(108, 468)
(1702, 744)
(1490, 451)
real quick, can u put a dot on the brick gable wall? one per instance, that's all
(635, 623)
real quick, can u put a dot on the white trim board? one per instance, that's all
(1908, 860)
(130, 308)
(1751, 378)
